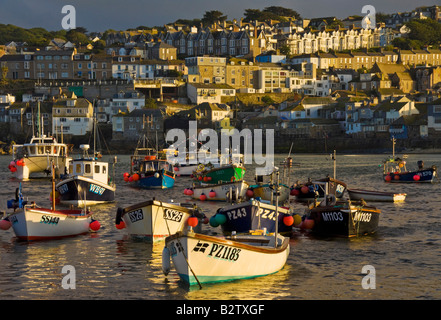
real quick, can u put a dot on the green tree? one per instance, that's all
(213, 16)
(150, 103)
(282, 12)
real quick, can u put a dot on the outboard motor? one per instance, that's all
(420, 164)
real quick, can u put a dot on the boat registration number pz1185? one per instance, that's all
(136, 215)
(173, 215)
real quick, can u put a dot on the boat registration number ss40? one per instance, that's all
(136, 215)
(173, 215)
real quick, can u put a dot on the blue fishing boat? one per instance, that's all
(395, 171)
(149, 172)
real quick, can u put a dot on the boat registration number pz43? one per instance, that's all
(236, 213)
(136, 215)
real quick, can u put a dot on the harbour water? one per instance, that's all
(405, 252)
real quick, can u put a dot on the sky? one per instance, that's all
(101, 15)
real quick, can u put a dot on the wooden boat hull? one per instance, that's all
(338, 221)
(43, 224)
(368, 195)
(154, 220)
(221, 191)
(80, 191)
(214, 259)
(253, 215)
(419, 176)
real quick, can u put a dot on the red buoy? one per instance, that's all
(192, 221)
(95, 225)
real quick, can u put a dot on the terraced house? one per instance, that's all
(72, 115)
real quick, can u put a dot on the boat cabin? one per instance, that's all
(40, 146)
(154, 165)
(89, 168)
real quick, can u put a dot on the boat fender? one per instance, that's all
(5, 224)
(166, 265)
(119, 214)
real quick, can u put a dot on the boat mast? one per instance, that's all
(277, 210)
(393, 147)
(53, 186)
(38, 120)
(335, 164)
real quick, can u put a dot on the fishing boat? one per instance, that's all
(255, 215)
(264, 186)
(311, 190)
(395, 171)
(232, 170)
(371, 195)
(252, 215)
(35, 158)
(149, 172)
(193, 160)
(344, 218)
(154, 220)
(31, 222)
(200, 258)
(87, 182)
(227, 191)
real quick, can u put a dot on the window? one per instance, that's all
(97, 168)
(78, 168)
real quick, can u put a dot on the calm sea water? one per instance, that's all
(405, 252)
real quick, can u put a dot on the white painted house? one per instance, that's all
(72, 115)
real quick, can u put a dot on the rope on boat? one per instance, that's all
(183, 253)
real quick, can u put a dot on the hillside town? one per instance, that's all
(320, 83)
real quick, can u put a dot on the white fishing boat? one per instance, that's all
(154, 220)
(264, 187)
(31, 222)
(370, 195)
(200, 258)
(37, 156)
(228, 191)
(87, 183)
